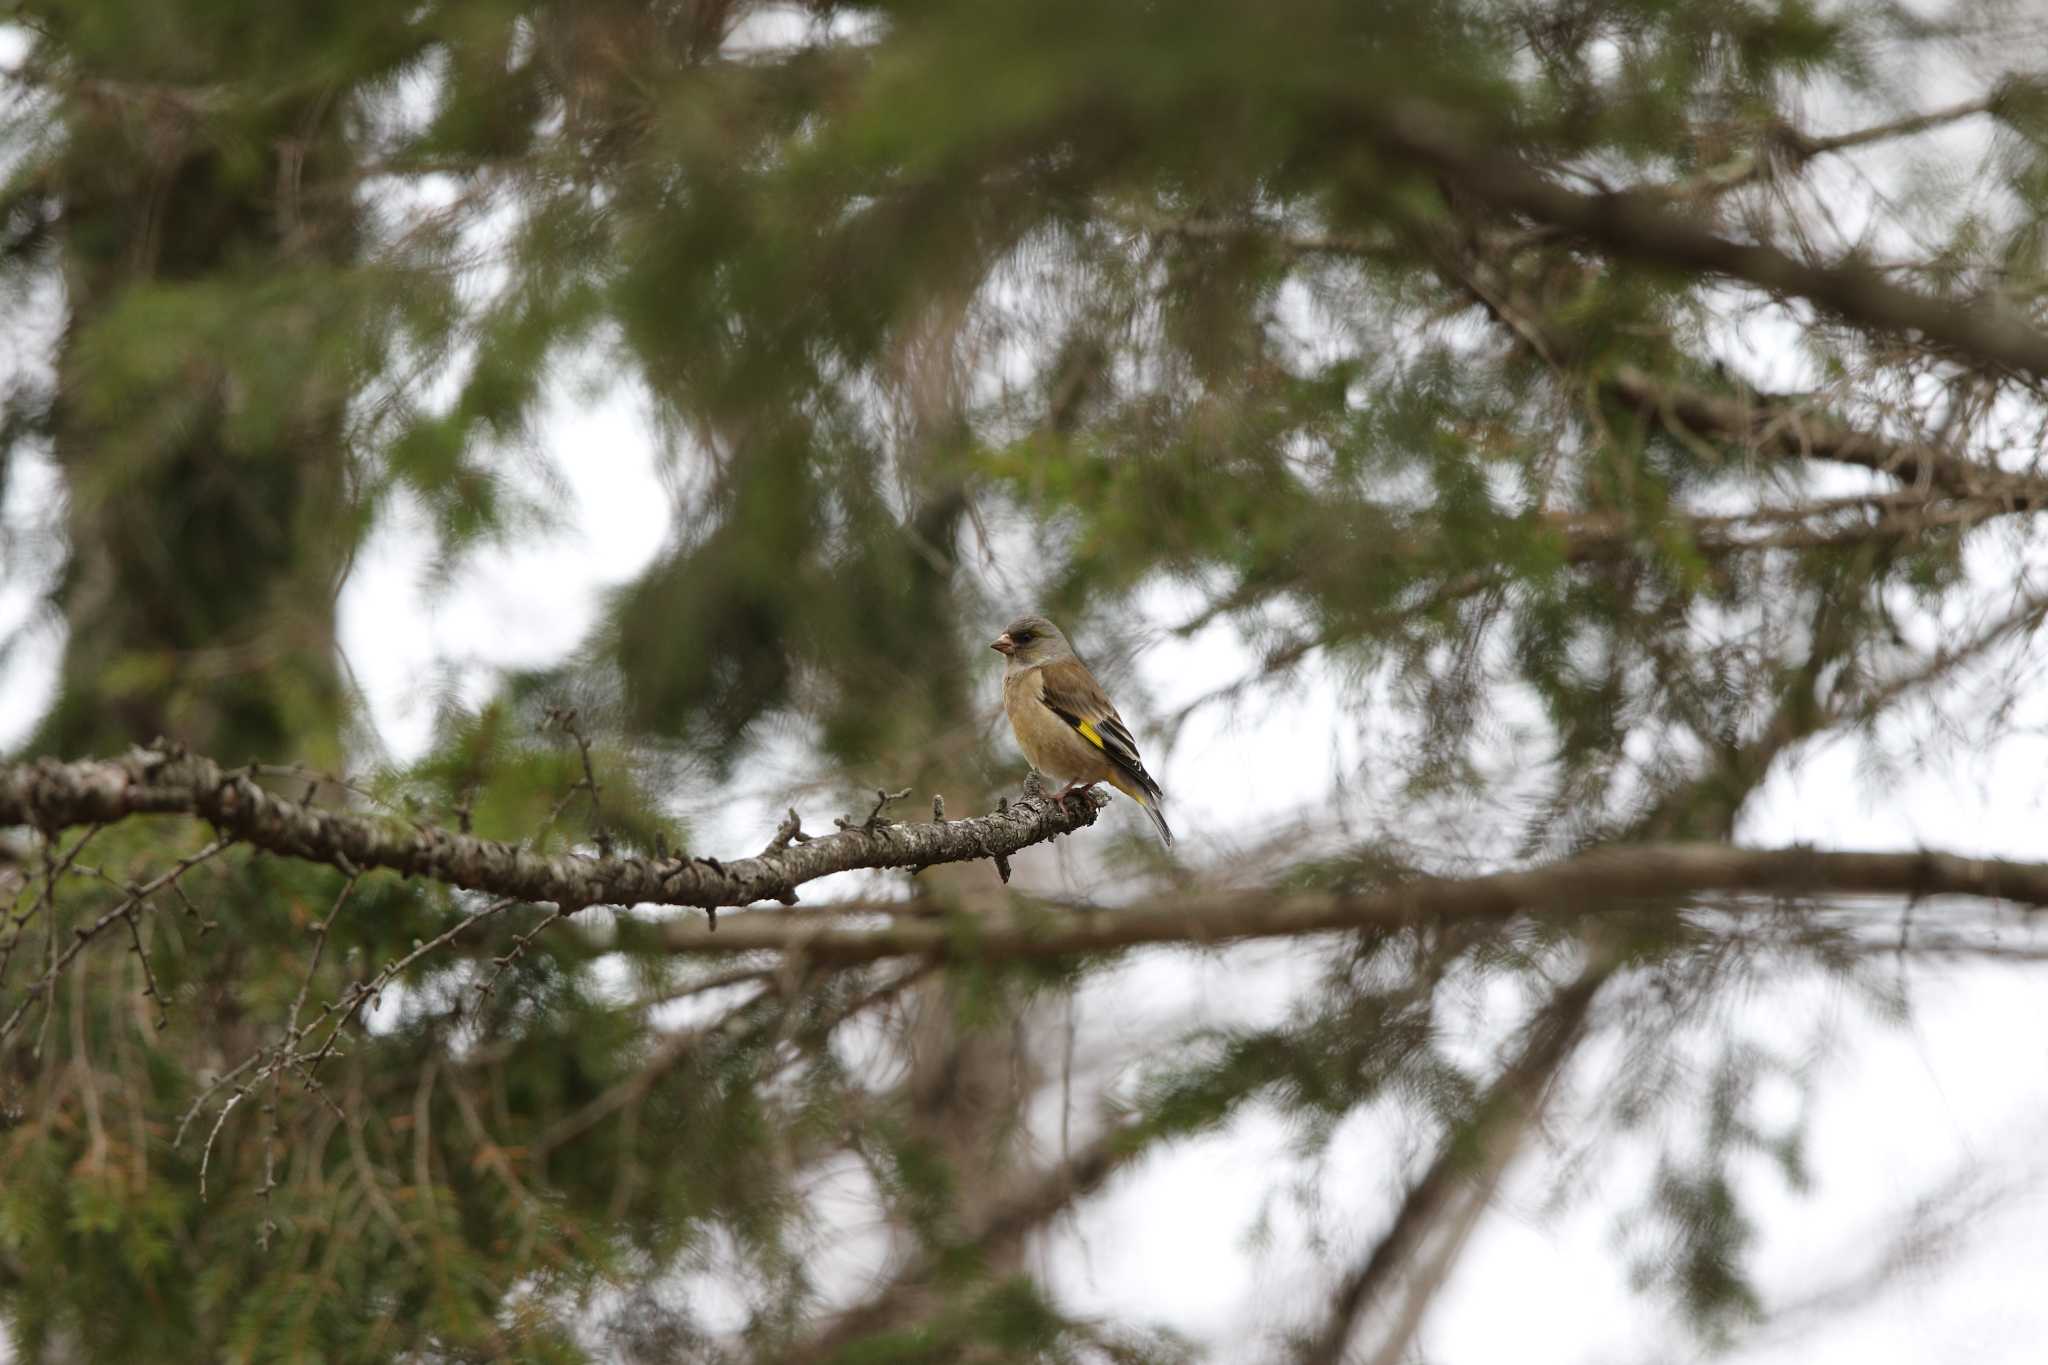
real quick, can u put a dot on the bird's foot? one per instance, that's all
(1060, 796)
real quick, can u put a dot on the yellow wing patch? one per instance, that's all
(1088, 731)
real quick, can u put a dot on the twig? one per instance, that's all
(791, 830)
(565, 720)
(21, 921)
(875, 819)
(198, 1101)
(351, 1002)
(286, 1049)
(80, 938)
(504, 961)
(49, 980)
(319, 777)
(149, 986)
(1801, 148)
(320, 936)
(206, 1153)
(1641, 227)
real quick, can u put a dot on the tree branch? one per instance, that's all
(1786, 427)
(1800, 148)
(52, 795)
(1779, 427)
(1641, 227)
(1605, 879)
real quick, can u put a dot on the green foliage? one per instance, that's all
(515, 770)
(945, 309)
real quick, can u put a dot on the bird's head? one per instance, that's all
(1031, 640)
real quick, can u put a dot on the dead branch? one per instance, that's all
(52, 795)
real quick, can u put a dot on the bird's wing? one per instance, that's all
(1073, 695)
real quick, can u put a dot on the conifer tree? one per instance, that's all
(1610, 400)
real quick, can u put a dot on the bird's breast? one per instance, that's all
(1047, 741)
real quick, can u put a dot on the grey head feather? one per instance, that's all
(1038, 641)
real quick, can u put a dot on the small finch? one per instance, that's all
(1065, 723)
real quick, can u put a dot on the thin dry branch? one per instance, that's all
(81, 938)
(51, 795)
(1780, 426)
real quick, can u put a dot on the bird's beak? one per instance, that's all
(1003, 644)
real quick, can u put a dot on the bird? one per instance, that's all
(1065, 723)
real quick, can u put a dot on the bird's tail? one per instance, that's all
(1151, 805)
(1140, 787)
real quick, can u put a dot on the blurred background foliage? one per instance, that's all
(942, 310)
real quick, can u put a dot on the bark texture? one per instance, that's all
(53, 795)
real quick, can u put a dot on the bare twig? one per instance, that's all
(53, 874)
(520, 943)
(320, 935)
(80, 938)
(287, 1049)
(149, 986)
(565, 720)
(350, 1002)
(1787, 429)
(875, 819)
(199, 1101)
(206, 1153)
(791, 830)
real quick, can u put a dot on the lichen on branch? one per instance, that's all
(52, 795)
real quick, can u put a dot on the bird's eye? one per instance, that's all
(1023, 637)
